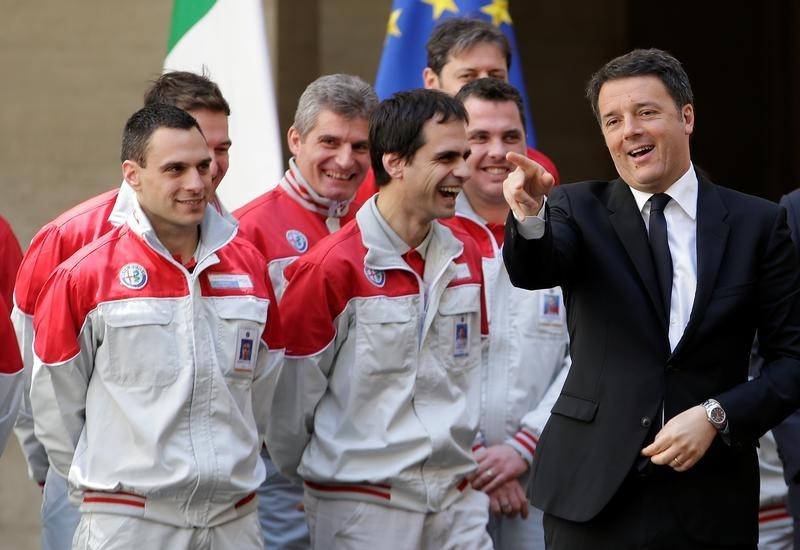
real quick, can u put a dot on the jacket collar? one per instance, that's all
(215, 232)
(383, 253)
(123, 206)
(126, 202)
(464, 209)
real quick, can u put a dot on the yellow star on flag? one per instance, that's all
(391, 27)
(498, 11)
(440, 6)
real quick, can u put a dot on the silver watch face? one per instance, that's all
(717, 415)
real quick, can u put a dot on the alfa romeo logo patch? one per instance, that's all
(133, 276)
(376, 276)
(298, 241)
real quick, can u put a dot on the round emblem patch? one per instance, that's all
(376, 276)
(298, 241)
(133, 276)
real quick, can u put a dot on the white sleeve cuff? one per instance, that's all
(532, 227)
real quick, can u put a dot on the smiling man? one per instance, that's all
(141, 393)
(378, 405)
(65, 235)
(460, 50)
(652, 441)
(527, 359)
(330, 143)
(329, 140)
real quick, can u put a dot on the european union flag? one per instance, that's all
(410, 25)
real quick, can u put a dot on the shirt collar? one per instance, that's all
(683, 193)
(398, 243)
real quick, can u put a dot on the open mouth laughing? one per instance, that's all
(449, 191)
(640, 151)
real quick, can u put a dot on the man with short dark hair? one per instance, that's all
(463, 49)
(528, 358)
(140, 392)
(377, 407)
(71, 230)
(460, 50)
(667, 277)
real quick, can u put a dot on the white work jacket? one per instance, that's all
(379, 397)
(151, 382)
(528, 358)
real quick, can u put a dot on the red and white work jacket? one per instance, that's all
(528, 358)
(379, 396)
(151, 382)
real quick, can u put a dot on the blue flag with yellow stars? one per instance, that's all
(410, 24)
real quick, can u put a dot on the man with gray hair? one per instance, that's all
(329, 141)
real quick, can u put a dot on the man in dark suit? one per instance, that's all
(666, 278)
(787, 433)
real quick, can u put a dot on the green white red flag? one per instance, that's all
(226, 41)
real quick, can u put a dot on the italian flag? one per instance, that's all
(225, 40)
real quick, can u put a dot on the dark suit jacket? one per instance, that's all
(595, 246)
(787, 433)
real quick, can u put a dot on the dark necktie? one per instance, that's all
(659, 245)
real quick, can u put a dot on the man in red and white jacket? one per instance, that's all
(11, 373)
(154, 355)
(10, 258)
(528, 356)
(65, 235)
(329, 140)
(377, 406)
(460, 50)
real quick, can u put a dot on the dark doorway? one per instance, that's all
(743, 59)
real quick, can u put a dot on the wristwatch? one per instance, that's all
(716, 414)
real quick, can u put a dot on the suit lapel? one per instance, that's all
(712, 236)
(629, 226)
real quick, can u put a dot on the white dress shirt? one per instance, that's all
(681, 216)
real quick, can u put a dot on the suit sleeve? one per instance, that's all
(787, 433)
(792, 204)
(63, 352)
(776, 392)
(787, 437)
(545, 262)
